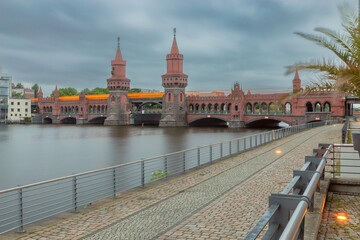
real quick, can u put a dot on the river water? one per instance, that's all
(33, 153)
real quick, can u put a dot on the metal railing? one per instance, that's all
(344, 130)
(30, 203)
(345, 161)
(286, 213)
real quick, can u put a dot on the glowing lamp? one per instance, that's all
(278, 151)
(341, 217)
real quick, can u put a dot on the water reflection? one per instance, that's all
(33, 153)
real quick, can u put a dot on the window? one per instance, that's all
(12, 103)
(26, 109)
(18, 109)
(10, 114)
(18, 103)
(15, 115)
(25, 115)
(26, 103)
(19, 115)
(12, 109)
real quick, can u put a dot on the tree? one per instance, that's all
(344, 74)
(35, 87)
(19, 85)
(66, 92)
(95, 91)
(17, 95)
(134, 90)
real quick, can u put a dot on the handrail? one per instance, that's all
(121, 177)
(280, 226)
(344, 130)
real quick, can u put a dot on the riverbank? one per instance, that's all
(224, 199)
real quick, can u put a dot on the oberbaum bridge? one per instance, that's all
(176, 107)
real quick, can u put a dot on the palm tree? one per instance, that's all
(343, 73)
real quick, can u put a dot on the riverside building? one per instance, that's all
(5, 94)
(19, 109)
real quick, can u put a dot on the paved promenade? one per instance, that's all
(331, 228)
(220, 201)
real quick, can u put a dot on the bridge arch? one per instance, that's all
(47, 120)
(216, 107)
(68, 120)
(271, 108)
(318, 107)
(191, 107)
(97, 120)
(148, 102)
(309, 107)
(269, 122)
(327, 107)
(288, 108)
(264, 108)
(256, 108)
(208, 121)
(249, 108)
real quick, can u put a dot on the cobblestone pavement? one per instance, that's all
(340, 203)
(207, 202)
(234, 214)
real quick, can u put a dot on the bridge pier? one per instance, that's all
(81, 121)
(236, 124)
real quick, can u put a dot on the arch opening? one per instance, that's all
(47, 120)
(309, 107)
(97, 120)
(266, 123)
(68, 120)
(207, 122)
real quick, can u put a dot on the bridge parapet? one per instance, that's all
(207, 98)
(209, 112)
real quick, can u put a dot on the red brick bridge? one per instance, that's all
(176, 107)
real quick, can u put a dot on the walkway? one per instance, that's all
(331, 228)
(220, 201)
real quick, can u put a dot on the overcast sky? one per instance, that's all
(70, 43)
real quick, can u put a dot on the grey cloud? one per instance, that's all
(71, 43)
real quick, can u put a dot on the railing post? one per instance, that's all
(21, 212)
(250, 142)
(256, 140)
(229, 148)
(210, 149)
(198, 156)
(238, 145)
(114, 182)
(244, 144)
(221, 150)
(261, 142)
(184, 162)
(143, 173)
(165, 167)
(75, 200)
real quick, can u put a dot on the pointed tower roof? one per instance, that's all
(56, 89)
(296, 77)
(118, 56)
(40, 91)
(174, 48)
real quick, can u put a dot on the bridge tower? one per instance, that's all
(174, 83)
(237, 107)
(118, 85)
(296, 82)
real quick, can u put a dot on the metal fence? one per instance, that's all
(27, 204)
(286, 213)
(344, 130)
(344, 162)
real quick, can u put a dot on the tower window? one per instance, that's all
(169, 97)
